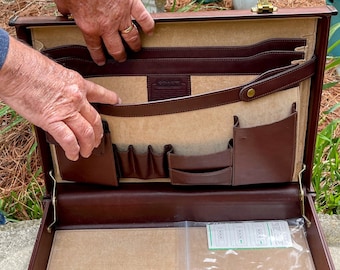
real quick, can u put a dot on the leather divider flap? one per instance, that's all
(264, 154)
(212, 169)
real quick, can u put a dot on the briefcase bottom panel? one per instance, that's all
(168, 248)
(101, 242)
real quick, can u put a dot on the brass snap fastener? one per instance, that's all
(251, 92)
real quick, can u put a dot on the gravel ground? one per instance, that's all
(17, 240)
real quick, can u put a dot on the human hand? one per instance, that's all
(101, 21)
(54, 98)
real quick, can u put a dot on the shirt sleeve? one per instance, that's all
(4, 44)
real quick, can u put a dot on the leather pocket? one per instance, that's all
(212, 169)
(99, 168)
(264, 154)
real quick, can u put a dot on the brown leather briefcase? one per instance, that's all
(212, 147)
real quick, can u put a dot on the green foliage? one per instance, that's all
(326, 175)
(14, 118)
(26, 203)
(332, 62)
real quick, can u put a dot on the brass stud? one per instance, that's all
(251, 92)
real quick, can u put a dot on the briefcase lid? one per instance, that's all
(31, 29)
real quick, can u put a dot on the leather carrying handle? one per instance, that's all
(266, 84)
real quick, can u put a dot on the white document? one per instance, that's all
(249, 235)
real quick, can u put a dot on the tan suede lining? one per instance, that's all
(132, 89)
(198, 132)
(203, 33)
(166, 248)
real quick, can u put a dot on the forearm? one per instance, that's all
(28, 79)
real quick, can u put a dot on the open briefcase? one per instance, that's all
(207, 163)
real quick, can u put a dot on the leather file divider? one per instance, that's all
(228, 167)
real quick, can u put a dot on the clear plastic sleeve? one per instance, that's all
(197, 255)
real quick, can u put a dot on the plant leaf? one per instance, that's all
(335, 107)
(334, 63)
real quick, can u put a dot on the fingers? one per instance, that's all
(87, 128)
(143, 17)
(114, 45)
(95, 47)
(99, 94)
(66, 139)
(78, 134)
(129, 32)
(81, 131)
(95, 128)
(131, 36)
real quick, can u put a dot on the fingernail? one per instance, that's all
(101, 63)
(119, 100)
(74, 158)
(99, 141)
(87, 155)
(122, 60)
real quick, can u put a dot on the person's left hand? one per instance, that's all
(54, 98)
(106, 22)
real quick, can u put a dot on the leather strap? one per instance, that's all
(255, 64)
(267, 83)
(275, 44)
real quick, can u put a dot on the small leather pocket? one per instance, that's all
(264, 154)
(213, 169)
(99, 168)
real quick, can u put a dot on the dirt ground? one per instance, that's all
(15, 144)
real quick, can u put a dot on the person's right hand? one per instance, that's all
(106, 22)
(54, 98)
